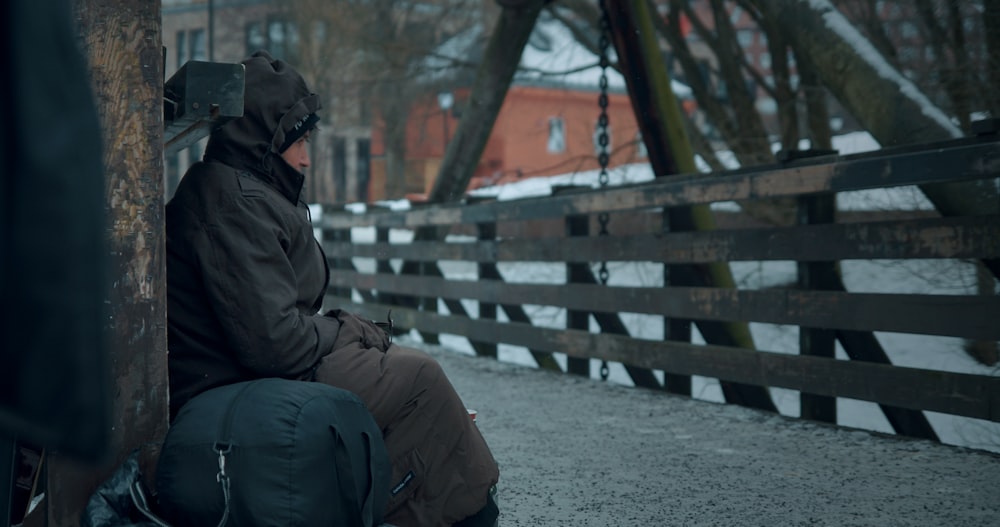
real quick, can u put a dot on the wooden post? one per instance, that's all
(429, 304)
(382, 265)
(487, 271)
(658, 115)
(673, 328)
(340, 236)
(121, 40)
(817, 342)
(578, 272)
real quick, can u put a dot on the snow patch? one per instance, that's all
(839, 24)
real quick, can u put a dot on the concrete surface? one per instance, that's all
(578, 452)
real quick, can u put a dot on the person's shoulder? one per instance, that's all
(204, 185)
(204, 175)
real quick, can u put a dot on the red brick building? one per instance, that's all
(540, 131)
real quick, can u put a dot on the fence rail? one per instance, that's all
(417, 280)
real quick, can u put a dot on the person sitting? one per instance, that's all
(245, 286)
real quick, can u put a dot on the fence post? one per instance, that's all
(382, 265)
(487, 231)
(577, 272)
(424, 269)
(674, 329)
(817, 342)
(339, 236)
(429, 304)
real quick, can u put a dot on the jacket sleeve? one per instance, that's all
(254, 288)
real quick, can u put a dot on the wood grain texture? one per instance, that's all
(121, 41)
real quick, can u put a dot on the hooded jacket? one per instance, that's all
(245, 276)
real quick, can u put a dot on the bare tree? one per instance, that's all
(890, 106)
(367, 57)
(940, 45)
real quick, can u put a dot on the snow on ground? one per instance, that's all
(877, 276)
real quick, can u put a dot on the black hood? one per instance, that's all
(275, 100)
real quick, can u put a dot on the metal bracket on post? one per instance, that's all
(788, 156)
(198, 98)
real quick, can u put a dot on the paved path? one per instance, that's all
(577, 452)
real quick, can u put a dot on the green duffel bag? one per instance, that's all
(273, 452)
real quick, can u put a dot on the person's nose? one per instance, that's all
(304, 159)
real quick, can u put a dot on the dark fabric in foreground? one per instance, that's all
(54, 368)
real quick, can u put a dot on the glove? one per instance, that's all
(369, 333)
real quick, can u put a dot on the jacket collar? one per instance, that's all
(283, 178)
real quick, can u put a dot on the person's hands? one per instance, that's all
(354, 328)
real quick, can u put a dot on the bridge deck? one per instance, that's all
(573, 451)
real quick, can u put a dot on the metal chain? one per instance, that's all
(603, 143)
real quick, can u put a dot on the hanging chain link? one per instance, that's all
(603, 142)
(602, 121)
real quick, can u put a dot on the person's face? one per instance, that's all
(297, 155)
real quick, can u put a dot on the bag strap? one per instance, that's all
(350, 501)
(369, 504)
(225, 445)
(137, 491)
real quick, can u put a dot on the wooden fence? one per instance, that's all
(417, 280)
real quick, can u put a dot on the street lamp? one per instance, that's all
(445, 101)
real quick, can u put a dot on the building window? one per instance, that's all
(255, 37)
(340, 169)
(640, 146)
(598, 149)
(191, 45)
(283, 39)
(278, 37)
(276, 40)
(557, 135)
(199, 45)
(364, 168)
(181, 50)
